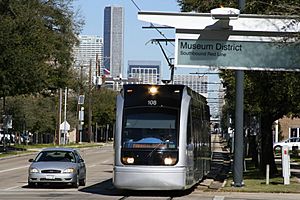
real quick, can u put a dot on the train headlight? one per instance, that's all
(153, 90)
(128, 160)
(169, 161)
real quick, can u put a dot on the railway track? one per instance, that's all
(148, 197)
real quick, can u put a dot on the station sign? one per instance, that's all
(227, 39)
(246, 55)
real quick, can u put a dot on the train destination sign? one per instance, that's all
(258, 55)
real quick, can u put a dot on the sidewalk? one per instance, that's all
(220, 165)
(218, 144)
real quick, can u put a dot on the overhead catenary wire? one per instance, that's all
(151, 24)
(158, 42)
(170, 41)
(135, 5)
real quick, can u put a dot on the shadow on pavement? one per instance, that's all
(106, 188)
(220, 166)
(49, 186)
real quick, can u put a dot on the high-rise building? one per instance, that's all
(89, 47)
(146, 72)
(113, 40)
(195, 82)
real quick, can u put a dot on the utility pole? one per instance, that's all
(3, 124)
(65, 116)
(90, 104)
(58, 136)
(97, 66)
(80, 109)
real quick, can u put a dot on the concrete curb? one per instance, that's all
(34, 151)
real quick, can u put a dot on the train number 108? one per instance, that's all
(152, 102)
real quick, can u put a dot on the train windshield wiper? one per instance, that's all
(157, 146)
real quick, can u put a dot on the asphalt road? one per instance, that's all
(99, 162)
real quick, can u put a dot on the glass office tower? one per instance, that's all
(145, 72)
(113, 40)
(87, 50)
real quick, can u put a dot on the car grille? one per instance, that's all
(51, 171)
(51, 180)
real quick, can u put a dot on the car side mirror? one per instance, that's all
(81, 160)
(30, 160)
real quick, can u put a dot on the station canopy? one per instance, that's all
(234, 41)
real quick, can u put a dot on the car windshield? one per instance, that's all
(55, 156)
(150, 129)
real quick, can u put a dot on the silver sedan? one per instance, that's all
(57, 165)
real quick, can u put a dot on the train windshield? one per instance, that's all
(150, 129)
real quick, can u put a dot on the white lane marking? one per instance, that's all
(12, 169)
(219, 198)
(14, 187)
(105, 161)
(94, 165)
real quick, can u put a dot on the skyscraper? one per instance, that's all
(197, 83)
(146, 72)
(113, 40)
(89, 47)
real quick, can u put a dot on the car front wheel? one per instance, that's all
(76, 183)
(31, 185)
(82, 182)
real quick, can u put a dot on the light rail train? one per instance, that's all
(162, 139)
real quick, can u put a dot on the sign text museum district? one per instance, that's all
(257, 55)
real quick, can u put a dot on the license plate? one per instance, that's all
(51, 177)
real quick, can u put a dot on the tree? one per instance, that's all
(102, 107)
(204, 6)
(268, 94)
(104, 102)
(37, 113)
(270, 7)
(37, 37)
(32, 113)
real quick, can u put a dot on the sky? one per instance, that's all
(136, 39)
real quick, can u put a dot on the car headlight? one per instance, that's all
(33, 170)
(69, 170)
